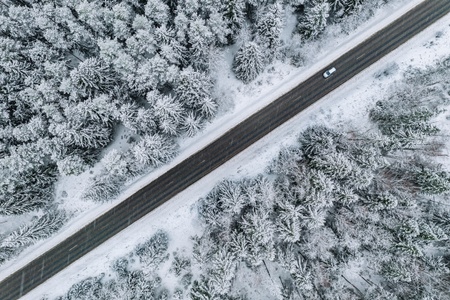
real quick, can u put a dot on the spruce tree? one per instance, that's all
(248, 62)
(315, 19)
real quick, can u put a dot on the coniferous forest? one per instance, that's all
(342, 214)
(74, 71)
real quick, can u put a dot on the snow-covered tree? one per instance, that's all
(315, 19)
(88, 288)
(153, 252)
(151, 74)
(157, 11)
(122, 15)
(288, 230)
(168, 111)
(231, 197)
(30, 131)
(142, 44)
(118, 163)
(238, 244)
(433, 182)
(199, 40)
(71, 165)
(194, 90)
(173, 52)
(352, 5)
(103, 187)
(100, 109)
(153, 150)
(39, 228)
(202, 290)
(90, 135)
(223, 271)
(233, 13)
(95, 16)
(93, 75)
(218, 26)
(317, 140)
(248, 62)
(192, 124)
(337, 5)
(269, 27)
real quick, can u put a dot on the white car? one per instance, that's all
(329, 72)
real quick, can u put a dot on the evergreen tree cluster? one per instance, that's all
(265, 21)
(330, 202)
(339, 204)
(72, 71)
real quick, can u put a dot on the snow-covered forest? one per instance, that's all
(74, 73)
(341, 214)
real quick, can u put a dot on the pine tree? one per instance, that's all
(192, 124)
(352, 5)
(233, 13)
(383, 201)
(103, 187)
(194, 90)
(218, 26)
(142, 44)
(231, 197)
(269, 27)
(90, 135)
(153, 150)
(93, 75)
(89, 288)
(118, 164)
(432, 182)
(95, 16)
(202, 290)
(288, 230)
(404, 119)
(71, 165)
(151, 74)
(223, 271)
(169, 113)
(313, 217)
(181, 22)
(199, 40)
(30, 131)
(19, 22)
(248, 62)
(153, 252)
(337, 5)
(315, 19)
(157, 11)
(100, 109)
(173, 52)
(238, 244)
(38, 229)
(321, 140)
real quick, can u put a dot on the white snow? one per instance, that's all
(348, 104)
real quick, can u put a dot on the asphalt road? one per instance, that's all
(214, 155)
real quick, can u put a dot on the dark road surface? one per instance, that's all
(214, 155)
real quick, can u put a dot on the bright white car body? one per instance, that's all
(329, 72)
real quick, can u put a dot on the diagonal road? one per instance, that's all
(214, 155)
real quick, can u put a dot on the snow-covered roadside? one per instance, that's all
(244, 106)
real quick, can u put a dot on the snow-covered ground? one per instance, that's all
(348, 104)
